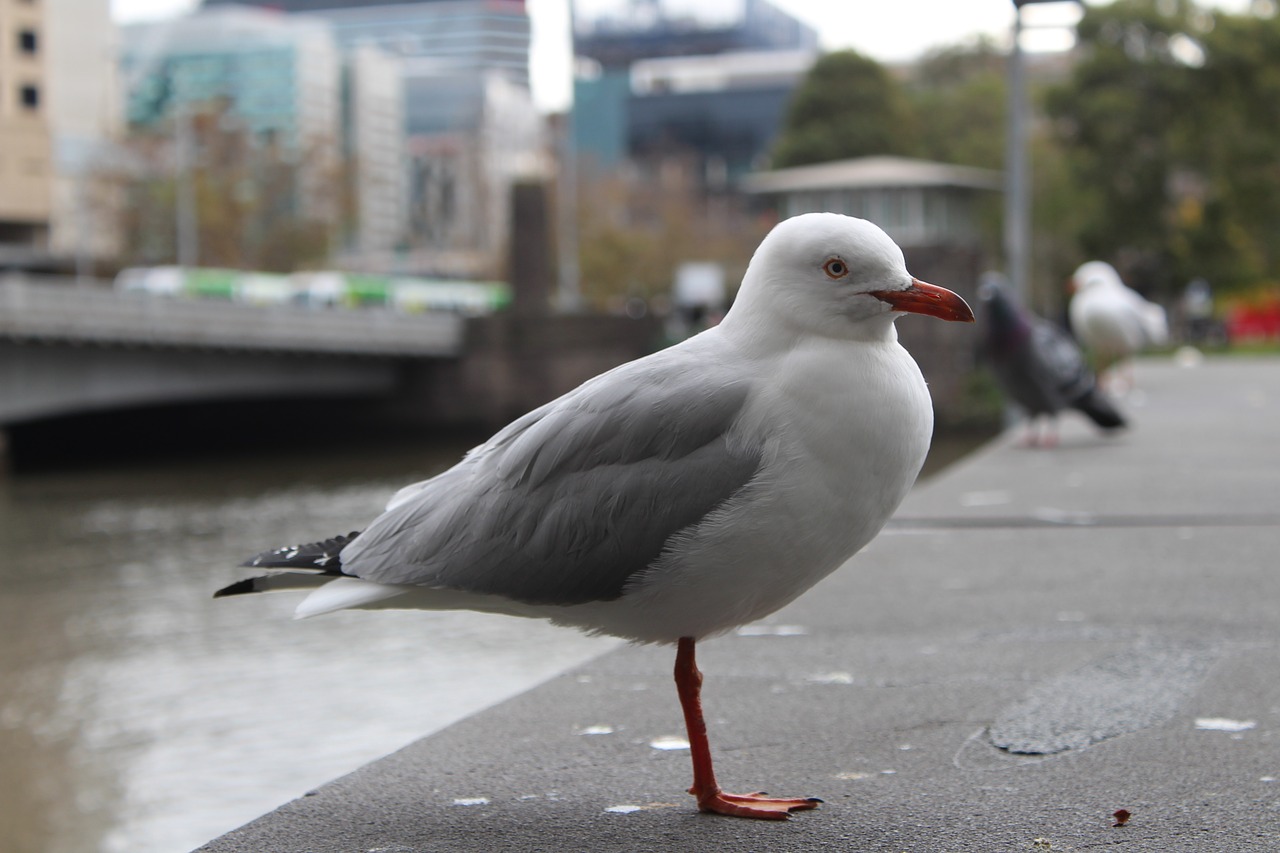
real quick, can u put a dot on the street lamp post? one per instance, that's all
(1017, 170)
(188, 237)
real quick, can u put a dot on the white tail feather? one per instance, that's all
(344, 593)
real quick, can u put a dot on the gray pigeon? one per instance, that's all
(1037, 365)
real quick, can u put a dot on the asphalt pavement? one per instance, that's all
(1041, 639)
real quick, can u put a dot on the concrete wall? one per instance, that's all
(514, 364)
(946, 352)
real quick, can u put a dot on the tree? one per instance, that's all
(251, 209)
(1172, 139)
(1123, 119)
(1230, 216)
(635, 228)
(847, 106)
(958, 96)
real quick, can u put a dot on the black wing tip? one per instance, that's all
(315, 556)
(238, 588)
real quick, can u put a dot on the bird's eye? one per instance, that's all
(836, 268)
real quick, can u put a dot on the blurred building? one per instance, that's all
(25, 154)
(58, 114)
(632, 30)
(279, 76)
(461, 180)
(917, 202)
(658, 83)
(284, 82)
(374, 144)
(469, 117)
(475, 36)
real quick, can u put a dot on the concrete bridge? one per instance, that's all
(68, 349)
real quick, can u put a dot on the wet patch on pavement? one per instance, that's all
(1140, 687)
(1126, 692)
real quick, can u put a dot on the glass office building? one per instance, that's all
(447, 48)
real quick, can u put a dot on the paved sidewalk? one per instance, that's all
(1040, 639)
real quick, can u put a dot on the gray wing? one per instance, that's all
(1024, 377)
(570, 501)
(1061, 362)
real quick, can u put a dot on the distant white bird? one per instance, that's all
(680, 495)
(1110, 320)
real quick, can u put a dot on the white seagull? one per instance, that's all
(680, 495)
(1110, 320)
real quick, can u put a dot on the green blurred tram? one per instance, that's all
(320, 289)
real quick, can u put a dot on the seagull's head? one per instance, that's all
(1093, 275)
(825, 273)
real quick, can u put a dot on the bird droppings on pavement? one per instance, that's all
(471, 801)
(831, 678)
(669, 743)
(1222, 724)
(631, 808)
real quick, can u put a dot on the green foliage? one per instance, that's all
(1171, 133)
(958, 96)
(949, 108)
(847, 106)
(1119, 119)
(635, 230)
(248, 207)
(1240, 86)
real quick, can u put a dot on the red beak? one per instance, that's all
(924, 298)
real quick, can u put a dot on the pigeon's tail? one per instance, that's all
(1100, 410)
(293, 567)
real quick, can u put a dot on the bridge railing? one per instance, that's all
(103, 316)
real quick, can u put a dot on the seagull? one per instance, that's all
(1037, 365)
(1112, 321)
(680, 495)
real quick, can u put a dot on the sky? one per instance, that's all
(886, 30)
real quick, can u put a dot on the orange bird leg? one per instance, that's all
(705, 788)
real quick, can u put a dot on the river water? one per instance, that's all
(138, 715)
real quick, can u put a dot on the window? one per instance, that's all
(29, 97)
(28, 42)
